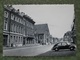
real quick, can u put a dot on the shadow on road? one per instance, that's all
(59, 53)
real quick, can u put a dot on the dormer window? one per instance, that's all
(6, 14)
(12, 16)
(5, 24)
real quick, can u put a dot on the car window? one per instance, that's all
(63, 44)
(68, 43)
(59, 44)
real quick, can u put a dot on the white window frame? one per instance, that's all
(5, 24)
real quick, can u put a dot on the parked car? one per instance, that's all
(64, 45)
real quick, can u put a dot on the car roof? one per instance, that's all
(63, 42)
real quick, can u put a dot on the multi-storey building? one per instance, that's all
(29, 30)
(17, 27)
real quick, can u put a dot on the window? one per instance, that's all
(24, 31)
(5, 24)
(23, 22)
(12, 16)
(14, 37)
(14, 28)
(19, 39)
(6, 14)
(17, 28)
(11, 27)
(59, 44)
(64, 44)
(27, 23)
(21, 30)
(19, 20)
(41, 36)
(15, 18)
(11, 37)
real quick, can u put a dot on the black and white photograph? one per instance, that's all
(39, 30)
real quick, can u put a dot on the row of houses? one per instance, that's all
(20, 29)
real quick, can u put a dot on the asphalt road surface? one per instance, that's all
(59, 53)
(41, 50)
(27, 51)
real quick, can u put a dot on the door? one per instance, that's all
(64, 45)
(5, 37)
(59, 46)
(23, 41)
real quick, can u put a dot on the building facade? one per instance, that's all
(68, 37)
(29, 30)
(18, 27)
(51, 39)
(74, 31)
(42, 35)
(55, 40)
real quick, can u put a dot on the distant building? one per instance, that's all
(18, 27)
(42, 35)
(68, 37)
(55, 40)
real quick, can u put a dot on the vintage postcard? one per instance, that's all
(39, 30)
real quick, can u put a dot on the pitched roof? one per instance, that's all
(41, 28)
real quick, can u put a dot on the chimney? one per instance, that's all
(22, 13)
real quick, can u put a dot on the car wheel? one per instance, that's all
(71, 48)
(56, 49)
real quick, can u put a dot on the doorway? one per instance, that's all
(5, 38)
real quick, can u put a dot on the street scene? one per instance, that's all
(37, 51)
(39, 30)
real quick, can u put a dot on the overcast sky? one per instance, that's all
(59, 17)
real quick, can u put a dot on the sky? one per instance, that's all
(59, 17)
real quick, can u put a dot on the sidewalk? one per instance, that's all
(27, 45)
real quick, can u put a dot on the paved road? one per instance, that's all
(27, 51)
(40, 50)
(59, 53)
